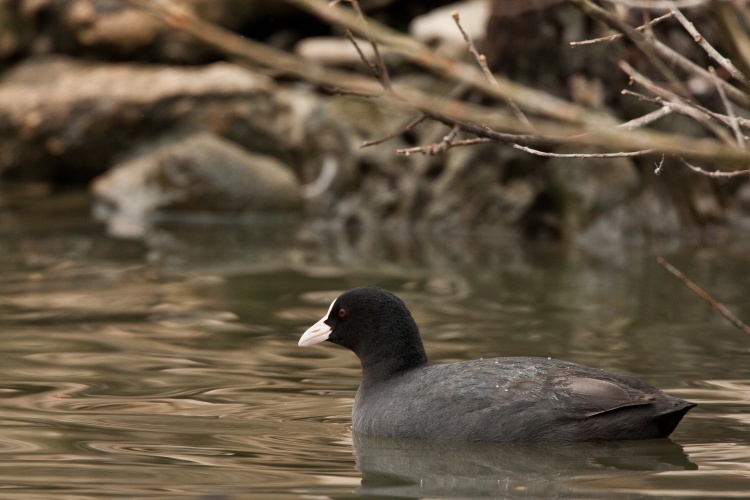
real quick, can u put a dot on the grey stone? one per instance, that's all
(200, 173)
(68, 120)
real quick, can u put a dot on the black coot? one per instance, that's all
(499, 400)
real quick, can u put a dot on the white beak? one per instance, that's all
(317, 333)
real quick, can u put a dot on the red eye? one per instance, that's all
(342, 313)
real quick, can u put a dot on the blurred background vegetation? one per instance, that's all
(230, 108)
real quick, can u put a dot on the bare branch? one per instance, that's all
(382, 69)
(658, 4)
(686, 108)
(730, 110)
(482, 62)
(610, 38)
(480, 58)
(685, 64)
(582, 155)
(710, 50)
(715, 173)
(448, 142)
(565, 122)
(416, 121)
(529, 99)
(659, 166)
(651, 117)
(718, 307)
(373, 68)
(647, 45)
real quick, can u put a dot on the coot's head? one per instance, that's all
(376, 325)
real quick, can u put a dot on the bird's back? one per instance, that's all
(514, 399)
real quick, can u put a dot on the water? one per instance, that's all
(170, 369)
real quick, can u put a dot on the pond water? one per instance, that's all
(169, 368)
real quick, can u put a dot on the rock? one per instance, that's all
(334, 50)
(588, 189)
(109, 29)
(200, 173)
(740, 213)
(470, 191)
(15, 32)
(71, 128)
(438, 27)
(117, 29)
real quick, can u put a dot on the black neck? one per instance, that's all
(384, 360)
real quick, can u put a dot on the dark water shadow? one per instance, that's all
(415, 469)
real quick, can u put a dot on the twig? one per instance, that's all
(482, 62)
(480, 58)
(651, 117)
(680, 108)
(678, 60)
(658, 4)
(559, 121)
(449, 141)
(730, 110)
(382, 69)
(659, 166)
(349, 92)
(373, 68)
(715, 173)
(687, 108)
(529, 99)
(610, 38)
(718, 307)
(582, 155)
(416, 121)
(646, 44)
(710, 50)
(434, 149)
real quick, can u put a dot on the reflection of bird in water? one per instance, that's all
(402, 467)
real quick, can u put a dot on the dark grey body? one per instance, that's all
(512, 400)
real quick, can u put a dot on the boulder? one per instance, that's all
(586, 190)
(200, 173)
(65, 121)
(116, 29)
(438, 27)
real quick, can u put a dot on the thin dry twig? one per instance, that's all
(657, 4)
(529, 99)
(610, 38)
(416, 121)
(482, 62)
(480, 58)
(718, 307)
(730, 110)
(559, 121)
(686, 107)
(382, 70)
(715, 173)
(582, 155)
(651, 117)
(449, 141)
(434, 149)
(679, 61)
(710, 50)
(659, 166)
(646, 44)
(362, 57)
